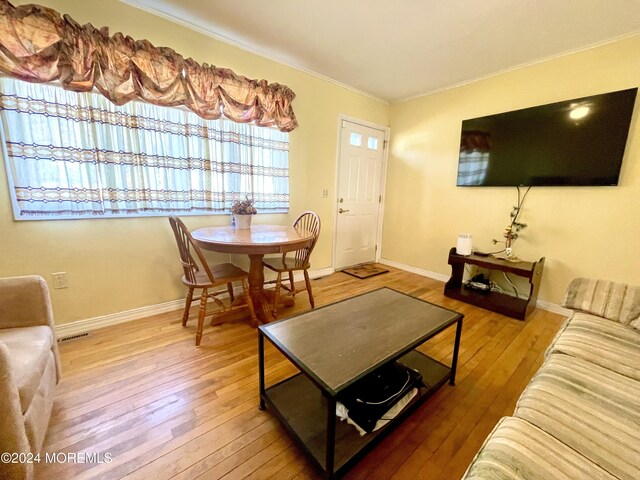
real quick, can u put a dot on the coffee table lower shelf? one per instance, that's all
(302, 408)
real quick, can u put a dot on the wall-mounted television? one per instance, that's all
(579, 142)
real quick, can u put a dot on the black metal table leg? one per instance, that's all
(261, 369)
(331, 436)
(456, 348)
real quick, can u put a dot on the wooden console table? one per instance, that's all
(495, 301)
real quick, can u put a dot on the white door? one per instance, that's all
(359, 183)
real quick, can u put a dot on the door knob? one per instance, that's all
(341, 210)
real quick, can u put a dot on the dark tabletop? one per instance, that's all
(339, 343)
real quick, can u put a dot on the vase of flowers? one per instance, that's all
(242, 211)
(512, 231)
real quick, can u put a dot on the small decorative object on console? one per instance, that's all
(465, 244)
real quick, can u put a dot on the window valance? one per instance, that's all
(39, 45)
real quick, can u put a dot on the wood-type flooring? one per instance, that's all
(148, 404)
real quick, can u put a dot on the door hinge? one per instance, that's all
(376, 248)
(380, 199)
(384, 144)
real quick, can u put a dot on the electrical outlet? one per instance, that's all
(325, 193)
(60, 280)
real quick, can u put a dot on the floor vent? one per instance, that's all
(73, 337)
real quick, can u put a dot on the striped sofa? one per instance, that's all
(579, 417)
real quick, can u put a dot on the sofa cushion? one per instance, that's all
(591, 409)
(30, 349)
(517, 450)
(601, 341)
(616, 301)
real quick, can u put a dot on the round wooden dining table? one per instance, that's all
(256, 242)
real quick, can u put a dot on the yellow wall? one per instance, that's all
(585, 231)
(115, 265)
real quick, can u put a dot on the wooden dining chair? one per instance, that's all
(199, 274)
(299, 260)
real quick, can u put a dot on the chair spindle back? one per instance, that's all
(185, 246)
(310, 222)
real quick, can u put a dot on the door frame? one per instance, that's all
(383, 181)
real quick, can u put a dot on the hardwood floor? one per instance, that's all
(161, 408)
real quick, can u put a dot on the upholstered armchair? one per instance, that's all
(29, 369)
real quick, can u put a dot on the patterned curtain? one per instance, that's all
(38, 45)
(75, 155)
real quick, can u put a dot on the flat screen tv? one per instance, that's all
(577, 142)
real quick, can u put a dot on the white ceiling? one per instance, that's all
(393, 50)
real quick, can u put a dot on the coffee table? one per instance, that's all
(335, 346)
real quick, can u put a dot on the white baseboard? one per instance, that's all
(317, 273)
(416, 270)
(553, 308)
(88, 324)
(541, 304)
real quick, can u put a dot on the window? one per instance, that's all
(77, 155)
(355, 139)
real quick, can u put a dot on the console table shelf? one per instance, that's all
(495, 301)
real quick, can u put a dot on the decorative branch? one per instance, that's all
(512, 231)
